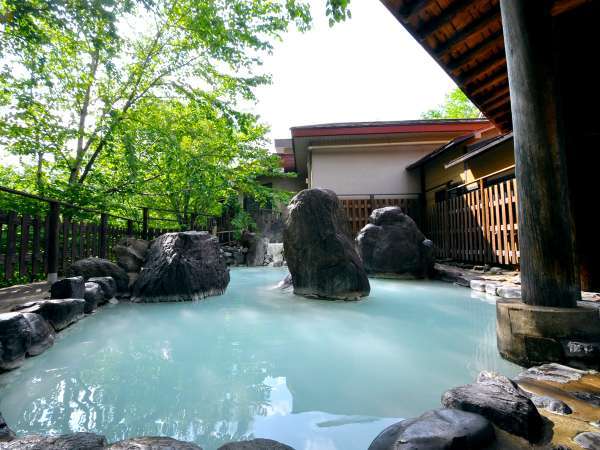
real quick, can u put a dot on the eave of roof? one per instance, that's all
(444, 148)
(405, 126)
(479, 148)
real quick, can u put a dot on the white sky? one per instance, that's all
(368, 68)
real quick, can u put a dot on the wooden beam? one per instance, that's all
(491, 42)
(562, 6)
(490, 109)
(479, 25)
(489, 83)
(448, 15)
(481, 71)
(411, 10)
(499, 94)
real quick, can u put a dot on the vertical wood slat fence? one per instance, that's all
(479, 226)
(24, 243)
(359, 210)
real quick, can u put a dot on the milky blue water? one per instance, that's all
(257, 362)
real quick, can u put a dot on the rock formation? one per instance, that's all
(318, 249)
(392, 243)
(98, 267)
(22, 334)
(182, 266)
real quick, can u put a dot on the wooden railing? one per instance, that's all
(359, 210)
(479, 226)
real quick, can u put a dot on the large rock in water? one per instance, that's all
(98, 267)
(257, 248)
(440, 429)
(501, 401)
(75, 441)
(68, 288)
(131, 253)
(182, 266)
(153, 443)
(6, 434)
(318, 249)
(60, 313)
(255, 444)
(392, 243)
(22, 334)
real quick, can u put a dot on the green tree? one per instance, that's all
(456, 106)
(74, 73)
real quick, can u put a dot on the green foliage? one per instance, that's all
(122, 103)
(241, 222)
(455, 106)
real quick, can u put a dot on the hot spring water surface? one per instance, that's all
(257, 362)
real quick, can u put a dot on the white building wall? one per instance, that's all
(366, 171)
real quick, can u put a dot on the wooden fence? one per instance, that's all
(359, 210)
(479, 226)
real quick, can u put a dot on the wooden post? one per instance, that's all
(52, 240)
(130, 228)
(145, 223)
(102, 245)
(11, 245)
(549, 276)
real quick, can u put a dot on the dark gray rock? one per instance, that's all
(551, 404)
(554, 372)
(286, 283)
(153, 443)
(22, 334)
(107, 284)
(72, 287)
(6, 434)
(501, 401)
(60, 313)
(93, 297)
(318, 249)
(131, 253)
(182, 267)
(392, 243)
(257, 248)
(255, 444)
(589, 440)
(75, 441)
(583, 350)
(98, 267)
(440, 429)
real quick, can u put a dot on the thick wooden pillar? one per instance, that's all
(549, 275)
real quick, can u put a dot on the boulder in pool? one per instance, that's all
(75, 441)
(72, 287)
(6, 434)
(153, 443)
(22, 334)
(255, 444)
(182, 266)
(319, 251)
(257, 248)
(392, 243)
(93, 297)
(440, 429)
(131, 254)
(98, 267)
(501, 401)
(60, 313)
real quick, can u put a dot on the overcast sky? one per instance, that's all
(366, 69)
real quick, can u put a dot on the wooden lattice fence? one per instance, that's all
(359, 210)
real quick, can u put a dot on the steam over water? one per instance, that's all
(258, 362)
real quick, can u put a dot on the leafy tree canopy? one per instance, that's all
(456, 106)
(122, 103)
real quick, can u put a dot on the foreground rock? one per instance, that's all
(501, 401)
(153, 443)
(255, 444)
(440, 429)
(22, 334)
(72, 287)
(6, 434)
(94, 296)
(319, 252)
(589, 440)
(131, 254)
(98, 267)
(59, 313)
(76, 441)
(182, 267)
(392, 243)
